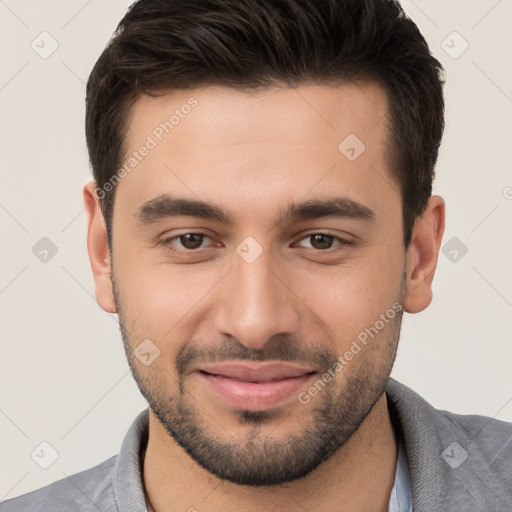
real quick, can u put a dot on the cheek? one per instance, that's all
(162, 300)
(351, 297)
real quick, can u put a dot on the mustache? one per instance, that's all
(278, 348)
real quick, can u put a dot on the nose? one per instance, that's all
(256, 303)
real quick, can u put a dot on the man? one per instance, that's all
(260, 218)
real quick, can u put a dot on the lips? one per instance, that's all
(254, 386)
(256, 372)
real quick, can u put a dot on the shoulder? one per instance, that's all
(83, 491)
(489, 438)
(477, 454)
(464, 458)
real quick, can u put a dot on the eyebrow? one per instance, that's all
(167, 206)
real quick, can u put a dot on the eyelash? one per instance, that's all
(167, 242)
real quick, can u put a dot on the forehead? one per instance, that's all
(232, 147)
(246, 116)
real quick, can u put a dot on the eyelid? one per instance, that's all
(342, 241)
(166, 241)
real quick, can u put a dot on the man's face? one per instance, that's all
(249, 310)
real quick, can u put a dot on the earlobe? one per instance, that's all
(422, 255)
(98, 249)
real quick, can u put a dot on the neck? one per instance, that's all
(358, 477)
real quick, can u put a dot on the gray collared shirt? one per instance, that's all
(116, 485)
(442, 477)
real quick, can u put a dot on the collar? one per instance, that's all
(128, 487)
(420, 437)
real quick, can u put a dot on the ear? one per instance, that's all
(422, 255)
(97, 247)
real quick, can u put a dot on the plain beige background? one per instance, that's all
(63, 375)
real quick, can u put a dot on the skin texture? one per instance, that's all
(253, 154)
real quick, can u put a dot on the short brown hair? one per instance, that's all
(250, 44)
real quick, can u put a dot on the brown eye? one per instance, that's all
(185, 242)
(321, 241)
(191, 240)
(324, 241)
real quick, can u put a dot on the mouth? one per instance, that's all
(254, 386)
